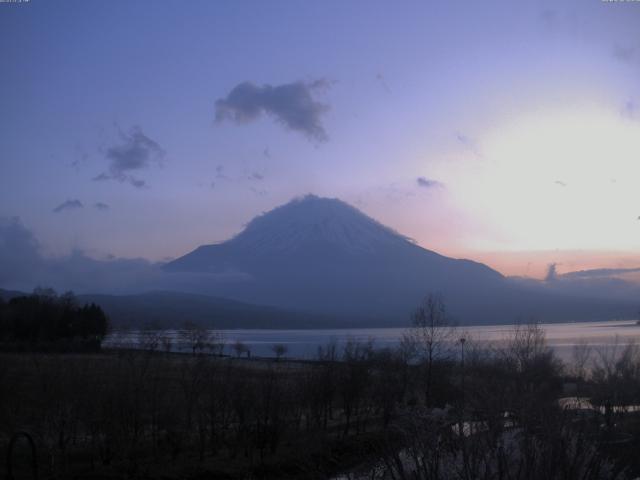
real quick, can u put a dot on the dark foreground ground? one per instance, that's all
(391, 414)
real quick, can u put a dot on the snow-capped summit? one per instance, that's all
(313, 220)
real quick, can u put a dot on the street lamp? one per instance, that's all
(462, 342)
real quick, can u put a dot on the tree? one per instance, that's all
(240, 348)
(429, 336)
(279, 350)
(195, 337)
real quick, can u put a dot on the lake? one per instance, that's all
(303, 344)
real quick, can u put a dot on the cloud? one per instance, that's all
(291, 104)
(81, 159)
(19, 253)
(552, 273)
(23, 267)
(136, 182)
(548, 17)
(220, 173)
(625, 53)
(629, 109)
(259, 191)
(599, 273)
(135, 152)
(382, 81)
(68, 205)
(101, 206)
(101, 177)
(256, 176)
(468, 143)
(561, 183)
(424, 182)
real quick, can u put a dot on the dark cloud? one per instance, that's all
(256, 176)
(101, 177)
(135, 152)
(19, 253)
(552, 272)
(136, 182)
(101, 206)
(428, 183)
(68, 205)
(266, 153)
(292, 104)
(561, 183)
(23, 267)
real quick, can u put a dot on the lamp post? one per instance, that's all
(462, 342)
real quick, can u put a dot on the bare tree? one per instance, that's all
(279, 350)
(527, 345)
(195, 336)
(580, 356)
(240, 348)
(149, 340)
(216, 343)
(430, 336)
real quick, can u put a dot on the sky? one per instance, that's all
(505, 132)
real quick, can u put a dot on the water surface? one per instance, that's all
(562, 337)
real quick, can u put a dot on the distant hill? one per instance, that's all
(173, 309)
(325, 256)
(7, 295)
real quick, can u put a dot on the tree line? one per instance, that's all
(46, 317)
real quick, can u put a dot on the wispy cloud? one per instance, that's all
(220, 173)
(383, 83)
(548, 17)
(468, 143)
(424, 182)
(626, 53)
(629, 109)
(135, 152)
(101, 206)
(68, 205)
(600, 272)
(291, 104)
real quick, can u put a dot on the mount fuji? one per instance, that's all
(324, 256)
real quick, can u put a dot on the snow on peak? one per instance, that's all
(312, 220)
